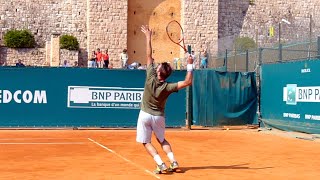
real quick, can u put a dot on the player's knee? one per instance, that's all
(163, 142)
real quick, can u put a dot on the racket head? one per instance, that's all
(175, 33)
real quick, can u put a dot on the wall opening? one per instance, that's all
(157, 14)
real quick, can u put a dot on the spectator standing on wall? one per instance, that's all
(124, 58)
(92, 60)
(194, 59)
(204, 60)
(99, 59)
(76, 64)
(20, 64)
(65, 64)
(105, 58)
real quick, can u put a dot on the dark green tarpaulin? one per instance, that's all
(224, 98)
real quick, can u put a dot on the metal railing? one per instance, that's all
(248, 61)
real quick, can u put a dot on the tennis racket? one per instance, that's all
(175, 34)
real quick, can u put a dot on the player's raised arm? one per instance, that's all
(188, 80)
(148, 33)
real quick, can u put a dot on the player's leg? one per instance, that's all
(159, 130)
(161, 166)
(174, 166)
(144, 132)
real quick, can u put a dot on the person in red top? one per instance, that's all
(99, 58)
(105, 58)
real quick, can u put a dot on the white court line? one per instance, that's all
(47, 143)
(32, 138)
(134, 164)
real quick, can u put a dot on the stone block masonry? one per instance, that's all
(208, 24)
(107, 27)
(35, 56)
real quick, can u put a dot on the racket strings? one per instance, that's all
(175, 32)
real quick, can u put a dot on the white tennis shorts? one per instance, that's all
(148, 123)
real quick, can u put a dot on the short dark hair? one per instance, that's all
(165, 70)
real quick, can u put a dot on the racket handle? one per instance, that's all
(189, 49)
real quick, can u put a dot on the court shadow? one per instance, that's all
(236, 166)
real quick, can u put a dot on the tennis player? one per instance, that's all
(151, 117)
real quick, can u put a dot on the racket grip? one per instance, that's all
(189, 49)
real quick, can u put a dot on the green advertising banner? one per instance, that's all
(79, 97)
(290, 96)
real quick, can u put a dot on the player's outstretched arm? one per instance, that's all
(188, 80)
(148, 32)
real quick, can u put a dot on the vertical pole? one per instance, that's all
(225, 63)
(280, 53)
(280, 45)
(310, 29)
(279, 35)
(318, 44)
(247, 60)
(199, 60)
(260, 56)
(259, 85)
(235, 59)
(310, 36)
(188, 107)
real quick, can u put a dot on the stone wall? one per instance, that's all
(34, 56)
(107, 27)
(71, 57)
(95, 23)
(46, 17)
(208, 24)
(200, 21)
(29, 56)
(238, 18)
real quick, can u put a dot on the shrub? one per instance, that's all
(69, 42)
(19, 39)
(245, 43)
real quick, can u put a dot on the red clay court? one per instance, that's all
(114, 154)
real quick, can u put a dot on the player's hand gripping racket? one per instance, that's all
(175, 34)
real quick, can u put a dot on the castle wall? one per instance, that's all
(107, 27)
(200, 20)
(208, 24)
(238, 18)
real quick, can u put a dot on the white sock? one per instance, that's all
(158, 159)
(171, 157)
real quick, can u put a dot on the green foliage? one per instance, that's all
(69, 42)
(245, 43)
(251, 2)
(19, 39)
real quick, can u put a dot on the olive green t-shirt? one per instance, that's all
(156, 93)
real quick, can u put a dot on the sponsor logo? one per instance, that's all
(27, 96)
(293, 94)
(291, 115)
(312, 117)
(305, 69)
(104, 97)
